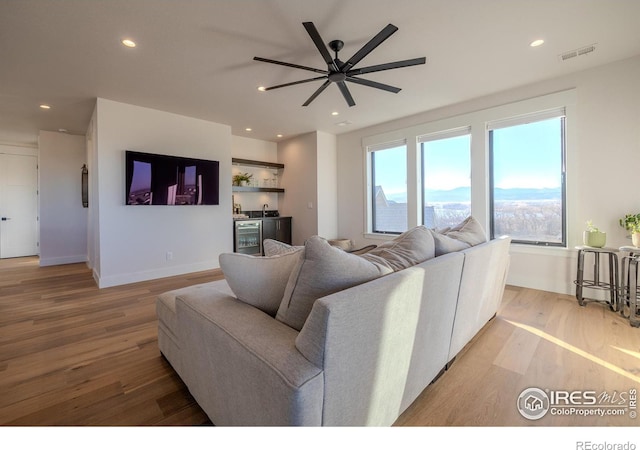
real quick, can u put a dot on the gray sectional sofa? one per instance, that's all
(360, 355)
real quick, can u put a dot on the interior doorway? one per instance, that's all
(18, 205)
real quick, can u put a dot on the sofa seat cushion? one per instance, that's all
(408, 249)
(322, 271)
(166, 302)
(259, 281)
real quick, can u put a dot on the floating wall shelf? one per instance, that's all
(250, 162)
(255, 189)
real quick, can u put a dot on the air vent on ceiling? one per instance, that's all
(577, 52)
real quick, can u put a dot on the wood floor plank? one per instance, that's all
(73, 354)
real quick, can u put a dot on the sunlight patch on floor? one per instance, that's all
(576, 350)
(628, 352)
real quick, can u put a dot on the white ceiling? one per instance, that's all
(195, 57)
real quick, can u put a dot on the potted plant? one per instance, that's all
(593, 237)
(631, 223)
(240, 178)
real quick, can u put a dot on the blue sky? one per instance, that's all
(527, 156)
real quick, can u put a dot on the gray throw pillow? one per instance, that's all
(469, 231)
(259, 281)
(408, 249)
(322, 271)
(464, 235)
(444, 244)
(272, 247)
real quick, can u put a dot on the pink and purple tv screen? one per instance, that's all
(170, 180)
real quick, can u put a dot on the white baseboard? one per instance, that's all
(60, 260)
(128, 278)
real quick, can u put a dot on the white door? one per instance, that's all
(18, 205)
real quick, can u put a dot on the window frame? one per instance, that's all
(440, 135)
(371, 185)
(555, 113)
(478, 120)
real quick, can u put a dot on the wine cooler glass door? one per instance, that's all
(248, 237)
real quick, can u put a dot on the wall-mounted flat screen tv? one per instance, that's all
(170, 180)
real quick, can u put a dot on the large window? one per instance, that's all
(527, 179)
(388, 174)
(446, 178)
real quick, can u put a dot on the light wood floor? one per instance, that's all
(72, 354)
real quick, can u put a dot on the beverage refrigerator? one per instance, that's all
(247, 237)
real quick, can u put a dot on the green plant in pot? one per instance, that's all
(593, 237)
(240, 178)
(631, 223)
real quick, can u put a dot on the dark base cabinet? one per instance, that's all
(278, 228)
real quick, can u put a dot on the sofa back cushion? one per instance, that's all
(408, 249)
(259, 281)
(321, 271)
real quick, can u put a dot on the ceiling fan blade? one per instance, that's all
(293, 83)
(345, 93)
(369, 47)
(387, 66)
(317, 92)
(322, 47)
(295, 66)
(374, 84)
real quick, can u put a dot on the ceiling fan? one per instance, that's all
(340, 72)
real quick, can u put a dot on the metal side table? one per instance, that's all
(628, 295)
(595, 282)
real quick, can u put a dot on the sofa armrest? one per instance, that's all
(242, 366)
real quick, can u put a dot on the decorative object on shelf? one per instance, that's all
(240, 178)
(257, 183)
(631, 223)
(593, 237)
(85, 186)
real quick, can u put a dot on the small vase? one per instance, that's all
(635, 239)
(595, 239)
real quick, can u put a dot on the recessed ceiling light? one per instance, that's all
(43, 106)
(278, 135)
(247, 129)
(262, 88)
(335, 113)
(537, 43)
(128, 43)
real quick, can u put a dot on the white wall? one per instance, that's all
(256, 150)
(299, 179)
(601, 172)
(134, 240)
(327, 157)
(93, 223)
(63, 219)
(310, 181)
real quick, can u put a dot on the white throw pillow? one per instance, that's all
(259, 281)
(408, 249)
(322, 270)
